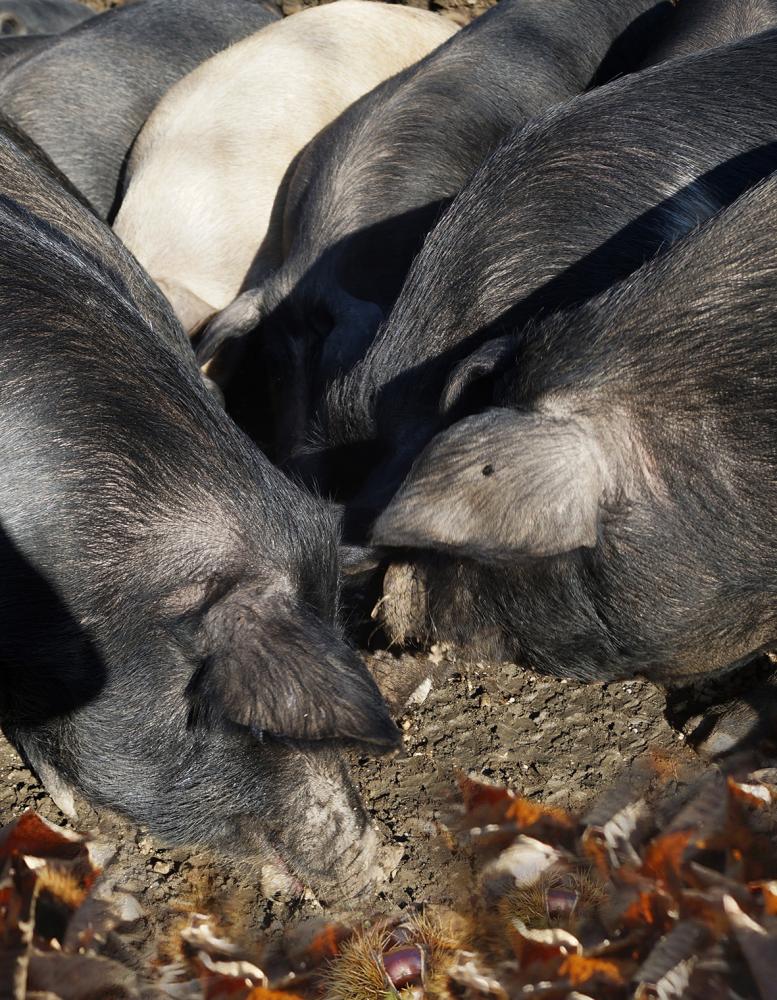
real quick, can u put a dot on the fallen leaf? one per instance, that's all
(580, 970)
(663, 858)
(532, 946)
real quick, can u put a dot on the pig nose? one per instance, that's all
(361, 871)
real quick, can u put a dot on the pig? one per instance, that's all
(24, 144)
(367, 190)
(609, 512)
(199, 199)
(703, 24)
(560, 211)
(84, 98)
(168, 621)
(15, 48)
(41, 17)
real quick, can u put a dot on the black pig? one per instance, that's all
(367, 190)
(41, 17)
(703, 24)
(561, 210)
(84, 98)
(611, 512)
(168, 599)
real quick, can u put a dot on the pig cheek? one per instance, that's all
(404, 608)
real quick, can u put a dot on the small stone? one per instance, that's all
(144, 842)
(101, 853)
(127, 908)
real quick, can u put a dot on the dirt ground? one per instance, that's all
(552, 740)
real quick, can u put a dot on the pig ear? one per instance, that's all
(485, 363)
(501, 485)
(272, 665)
(237, 319)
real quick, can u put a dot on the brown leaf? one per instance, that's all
(540, 946)
(491, 805)
(326, 944)
(751, 793)
(664, 856)
(527, 815)
(262, 993)
(649, 907)
(667, 969)
(612, 842)
(479, 794)
(768, 893)
(470, 976)
(33, 835)
(18, 897)
(580, 970)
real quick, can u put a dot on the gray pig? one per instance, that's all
(41, 17)
(610, 512)
(561, 210)
(168, 622)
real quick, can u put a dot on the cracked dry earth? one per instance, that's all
(556, 741)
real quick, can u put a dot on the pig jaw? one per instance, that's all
(427, 600)
(499, 613)
(286, 806)
(403, 610)
(290, 807)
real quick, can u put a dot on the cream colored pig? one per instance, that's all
(209, 163)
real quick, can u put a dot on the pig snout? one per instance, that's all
(332, 848)
(403, 609)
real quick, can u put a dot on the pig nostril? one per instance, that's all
(488, 470)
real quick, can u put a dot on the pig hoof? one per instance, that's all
(60, 792)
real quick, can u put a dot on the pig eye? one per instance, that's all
(488, 470)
